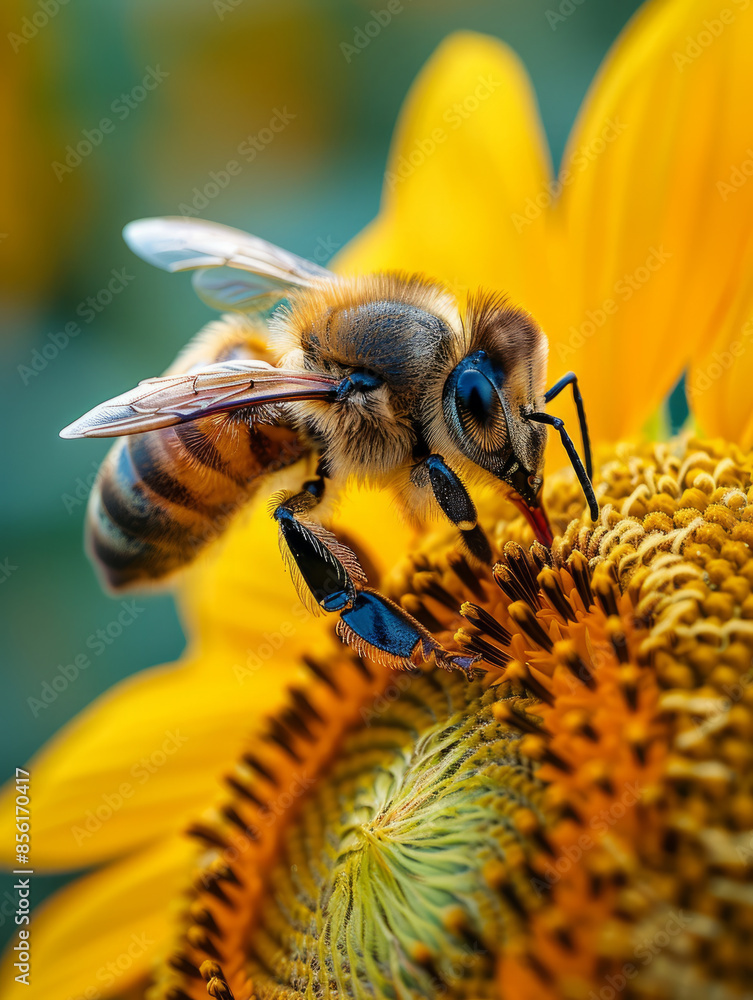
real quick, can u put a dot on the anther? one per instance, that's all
(278, 734)
(244, 791)
(237, 820)
(605, 585)
(566, 654)
(255, 764)
(202, 916)
(550, 583)
(181, 964)
(459, 565)
(519, 564)
(292, 719)
(214, 977)
(521, 672)
(628, 683)
(577, 564)
(205, 833)
(321, 672)
(485, 622)
(431, 588)
(303, 704)
(418, 610)
(223, 871)
(477, 644)
(523, 616)
(504, 712)
(576, 721)
(199, 939)
(617, 637)
(535, 746)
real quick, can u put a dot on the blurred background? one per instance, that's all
(184, 84)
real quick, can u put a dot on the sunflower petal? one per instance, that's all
(147, 756)
(467, 155)
(143, 759)
(102, 933)
(654, 253)
(719, 381)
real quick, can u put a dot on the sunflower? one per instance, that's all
(275, 817)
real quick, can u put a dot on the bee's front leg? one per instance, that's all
(329, 577)
(455, 503)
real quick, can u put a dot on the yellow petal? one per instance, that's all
(646, 234)
(719, 381)
(467, 154)
(142, 760)
(102, 933)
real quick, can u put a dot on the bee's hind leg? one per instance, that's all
(324, 570)
(380, 629)
(329, 578)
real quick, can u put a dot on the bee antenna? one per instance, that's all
(572, 379)
(583, 477)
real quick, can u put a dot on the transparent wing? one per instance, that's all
(238, 271)
(180, 244)
(175, 399)
(226, 288)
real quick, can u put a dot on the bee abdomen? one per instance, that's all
(163, 495)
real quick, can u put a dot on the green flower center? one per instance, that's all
(388, 881)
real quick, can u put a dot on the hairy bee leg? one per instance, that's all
(378, 628)
(324, 568)
(572, 379)
(330, 572)
(455, 503)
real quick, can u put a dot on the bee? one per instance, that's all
(378, 378)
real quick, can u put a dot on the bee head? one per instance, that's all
(490, 390)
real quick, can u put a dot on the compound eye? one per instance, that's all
(475, 395)
(473, 406)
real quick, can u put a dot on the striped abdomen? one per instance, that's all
(161, 496)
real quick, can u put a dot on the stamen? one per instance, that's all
(551, 584)
(214, 977)
(477, 644)
(481, 618)
(526, 620)
(566, 653)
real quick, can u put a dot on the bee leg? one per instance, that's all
(330, 578)
(455, 503)
(381, 630)
(324, 570)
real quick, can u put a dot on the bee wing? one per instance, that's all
(180, 244)
(175, 399)
(224, 288)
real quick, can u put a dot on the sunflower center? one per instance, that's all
(386, 884)
(580, 819)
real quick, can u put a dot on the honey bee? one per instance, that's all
(378, 378)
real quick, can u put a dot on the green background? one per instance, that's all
(310, 190)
